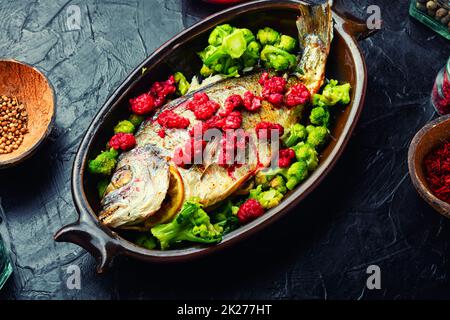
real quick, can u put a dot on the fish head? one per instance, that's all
(137, 188)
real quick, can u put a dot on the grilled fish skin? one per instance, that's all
(141, 180)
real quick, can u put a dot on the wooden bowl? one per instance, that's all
(31, 88)
(428, 138)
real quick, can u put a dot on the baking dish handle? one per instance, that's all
(87, 234)
(353, 25)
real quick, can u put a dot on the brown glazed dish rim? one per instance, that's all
(413, 162)
(4, 164)
(105, 244)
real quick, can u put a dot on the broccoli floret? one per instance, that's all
(278, 184)
(182, 83)
(297, 172)
(296, 133)
(320, 116)
(262, 179)
(317, 136)
(268, 36)
(104, 163)
(268, 199)
(277, 59)
(251, 54)
(146, 240)
(235, 44)
(305, 152)
(205, 71)
(225, 218)
(101, 187)
(248, 35)
(124, 126)
(287, 43)
(192, 224)
(333, 94)
(211, 55)
(219, 33)
(135, 119)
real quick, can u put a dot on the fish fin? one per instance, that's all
(315, 29)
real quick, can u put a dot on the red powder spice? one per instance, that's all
(437, 171)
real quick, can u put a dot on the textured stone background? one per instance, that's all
(371, 215)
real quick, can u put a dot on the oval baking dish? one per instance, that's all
(345, 63)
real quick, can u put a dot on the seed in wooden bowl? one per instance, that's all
(13, 124)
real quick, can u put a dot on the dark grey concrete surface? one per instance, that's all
(366, 212)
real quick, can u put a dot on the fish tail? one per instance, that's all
(315, 29)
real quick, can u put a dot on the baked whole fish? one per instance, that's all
(141, 180)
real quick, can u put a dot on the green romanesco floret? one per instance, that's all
(295, 134)
(251, 54)
(297, 172)
(268, 199)
(277, 59)
(320, 116)
(248, 35)
(225, 217)
(333, 94)
(182, 83)
(101, 187)
(278, 184)
(205, 71)
(235, 44)
(135, 119)
(305, 152)
(268, 36)
(124, 126)
(192, 224)
(219, 33)
(317, 136)
(146, 240)
(104, 163)
(287, 43)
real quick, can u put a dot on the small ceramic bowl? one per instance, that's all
(32, 89)
(428, 138)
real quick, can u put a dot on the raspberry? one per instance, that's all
(264, 129)
(142, 104)
(162, 133)
(273, 89)
(250, 210)
(286, 157)
(160, 90)
(232, 121)
(122, 141)
(297, 95)
(169, 119)
(232, 102)
(251, 102)
(264, 77)
(202, 107)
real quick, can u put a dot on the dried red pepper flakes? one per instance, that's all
(437, 172)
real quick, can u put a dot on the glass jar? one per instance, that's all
(433, 13)
(5, 263)
(440, 96)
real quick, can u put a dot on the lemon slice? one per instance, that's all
(172, 203)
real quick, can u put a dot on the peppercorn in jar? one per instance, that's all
(434, 14)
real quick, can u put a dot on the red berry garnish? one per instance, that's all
(285, 158)
(251, 102)
(250, 210)
(143, 104)
(297, 95)
(122, 141)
